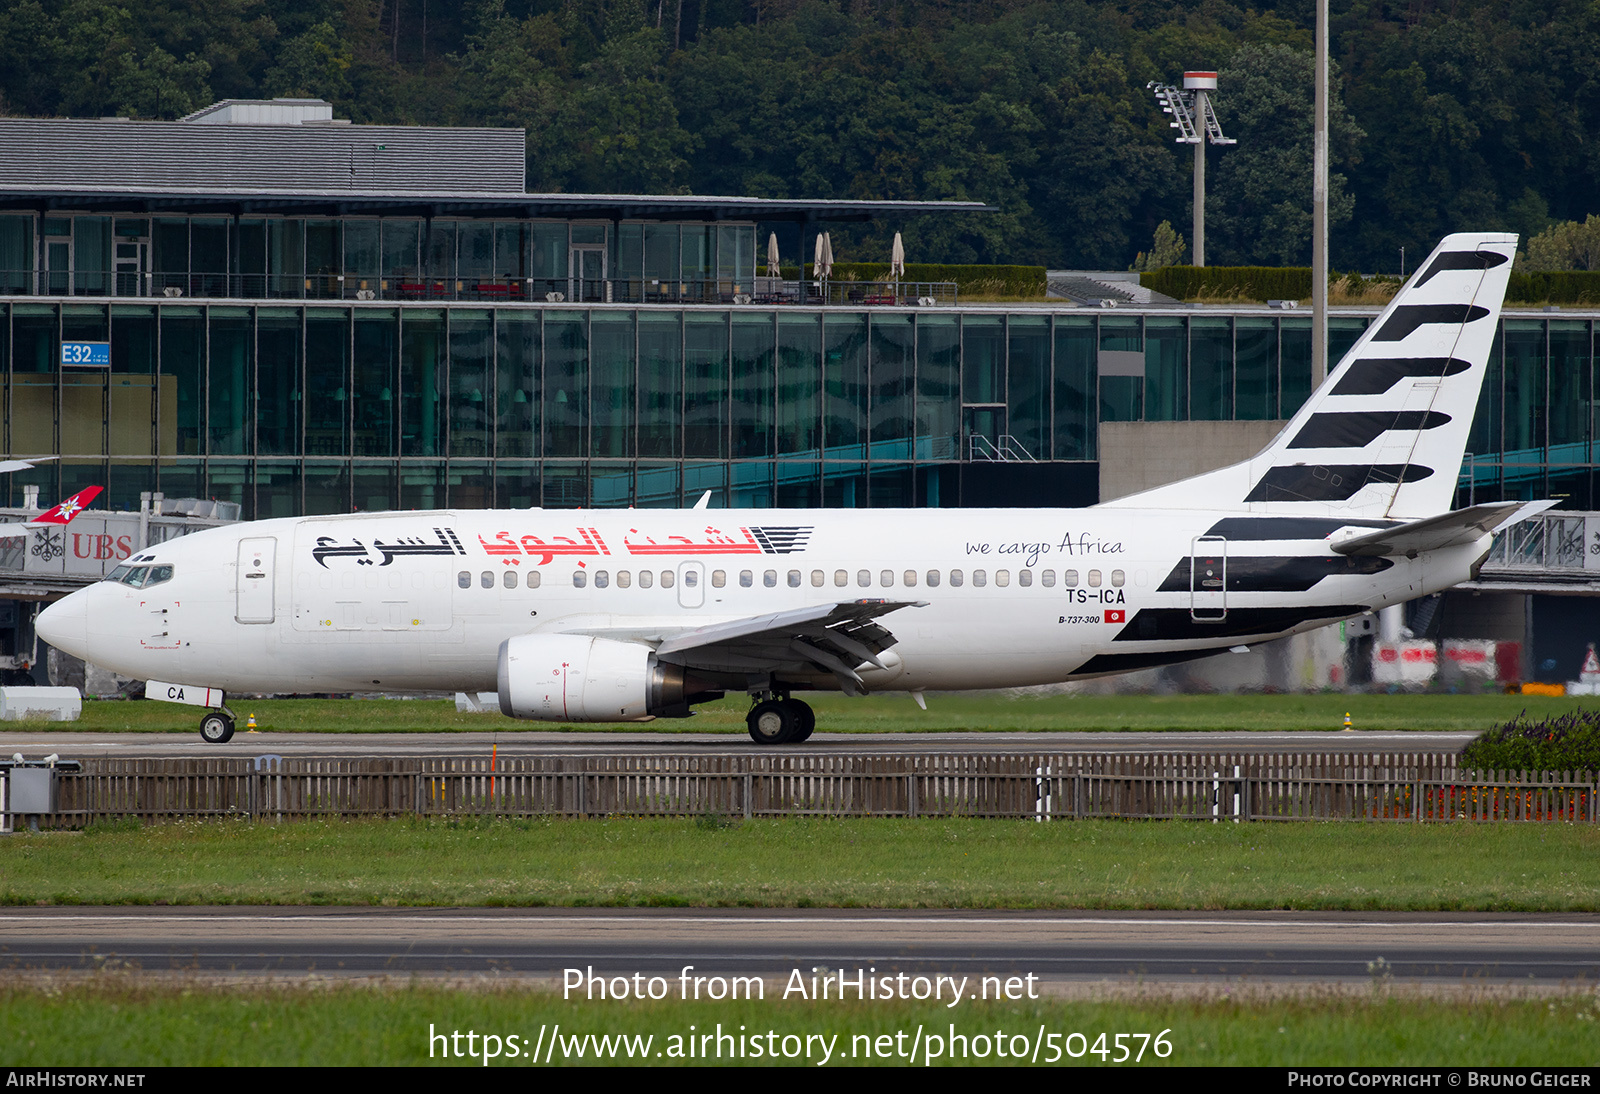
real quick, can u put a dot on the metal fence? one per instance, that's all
(1410, 787)
(477, 288)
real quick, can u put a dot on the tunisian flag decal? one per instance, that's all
(1116, 615)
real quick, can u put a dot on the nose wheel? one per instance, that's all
(216, 728)
(780, 722)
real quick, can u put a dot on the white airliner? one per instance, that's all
(619, 615)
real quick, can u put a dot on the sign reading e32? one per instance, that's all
(86, 355)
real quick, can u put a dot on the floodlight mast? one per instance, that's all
(1196, 122)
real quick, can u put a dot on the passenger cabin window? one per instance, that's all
(602, 580)
(864, 578)
(486, 579)
(719, 578)
(910, 577)
(980, 578)
(509, 579)
(579, 579)
(816, 579)
(933, 579)
(691, 578)
(624, 579)
(1117, 578)
(1070, 578)
(955, 578)
(1024, 578)
(464, 579)
(770, 579)
(794, 579)
(1002, 578)
(667, 578)
(886, 579)
(533, 579)
(746, 579)
(1048, 579)
(1094, 579)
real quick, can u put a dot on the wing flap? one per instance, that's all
(833, 638)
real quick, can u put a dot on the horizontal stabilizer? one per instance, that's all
(1447, 530)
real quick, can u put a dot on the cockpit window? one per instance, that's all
(140, 577)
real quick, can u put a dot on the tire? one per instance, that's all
(216, 728)
(772, 722)
(805, 721)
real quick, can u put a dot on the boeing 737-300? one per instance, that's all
(624, 615)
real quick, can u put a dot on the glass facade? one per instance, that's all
(322, 408)
(375, 258)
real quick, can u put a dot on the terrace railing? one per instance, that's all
(484, 288)
(1409, 787)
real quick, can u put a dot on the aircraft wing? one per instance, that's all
(1446, 530)
(834, 638)
(7, 466)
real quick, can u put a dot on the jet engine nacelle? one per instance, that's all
(577, 678)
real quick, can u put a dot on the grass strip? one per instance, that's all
(982, 712)
(131, 1021)
(799, 862)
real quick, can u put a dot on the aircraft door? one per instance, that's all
(1208, 579)
(691, 584)
(256, 586)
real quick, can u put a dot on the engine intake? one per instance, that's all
(578, 678)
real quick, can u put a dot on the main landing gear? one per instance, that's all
(780, 721)
(216, 728)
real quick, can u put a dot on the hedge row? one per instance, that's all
(1294, 283)
(1244, 282)
(1555, 286)
(986, 280)
(1568, 742)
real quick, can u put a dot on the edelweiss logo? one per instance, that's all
(782, 541)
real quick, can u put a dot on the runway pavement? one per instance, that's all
(1175, 947)
(78, 744)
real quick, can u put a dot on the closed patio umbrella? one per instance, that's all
(897, 259)
(772, 256)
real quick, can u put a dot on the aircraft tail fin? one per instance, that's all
(68, 509)
(1384, 436)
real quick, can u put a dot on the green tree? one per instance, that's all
(1566, 246)
(1258, 194)
(313, 65)
(1166, 249)
(622, 122)
(158, 85)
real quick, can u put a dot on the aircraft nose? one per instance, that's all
(65, 624)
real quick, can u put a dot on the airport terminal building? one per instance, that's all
(265, 306)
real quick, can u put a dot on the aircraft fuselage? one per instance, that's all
(995, 598)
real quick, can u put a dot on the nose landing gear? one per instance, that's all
(780, 721)
(216, 728)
